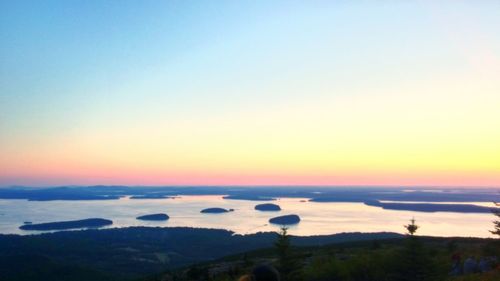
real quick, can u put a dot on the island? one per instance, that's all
(151, 196)
(249, 197)
(431, 207)
(267, 207)
(285, 220)
(154, 217)
(215, 211)
(268, 193)
(85, 223)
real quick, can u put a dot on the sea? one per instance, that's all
(317, 218)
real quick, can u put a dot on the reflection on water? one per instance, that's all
(317, 218)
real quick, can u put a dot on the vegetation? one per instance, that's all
(496, 212)
(286, 261)
(85, 223)
(128, 253)
(411, 259)
(268, 207)
(388, 260)
(412, 227)
(39, 267)
(285, 220)
(154, 217)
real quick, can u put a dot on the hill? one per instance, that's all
(138, 251)
(423, 259)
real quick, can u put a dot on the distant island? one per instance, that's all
(430, 207)
(58, 193)
(262, 193)
(249, 197)
(267, 207)
(85, 223)
(215, 210)
(285, 220)
(151, 196)
(154, 217)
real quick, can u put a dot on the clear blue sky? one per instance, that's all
(319, 92)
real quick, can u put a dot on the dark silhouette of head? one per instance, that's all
(265, 273)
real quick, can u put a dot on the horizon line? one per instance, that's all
(259, 185)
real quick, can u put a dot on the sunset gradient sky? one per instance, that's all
(250, 92)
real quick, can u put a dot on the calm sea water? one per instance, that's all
(317, 218)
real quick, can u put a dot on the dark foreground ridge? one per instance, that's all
(139, 251)
(285, 220)
(132, 254)
(86, 223)
(154, 217)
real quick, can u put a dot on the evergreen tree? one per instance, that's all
(414, 261)
(286, 261)
(496, 212)
(412, 227)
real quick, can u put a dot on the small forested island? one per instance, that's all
(215, 211)
(86, 223)
(285, 220)
(267, 207)
(154, 217)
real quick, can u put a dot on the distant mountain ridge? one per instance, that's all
(259, 193)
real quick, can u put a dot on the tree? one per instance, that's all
(283, 247)
(414, 263)
(412, 227)
(496, 212)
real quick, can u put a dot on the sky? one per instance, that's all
(392, 93)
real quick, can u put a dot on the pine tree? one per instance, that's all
(496, 212)
(412, 227)
(414, 262)
(284, 251)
